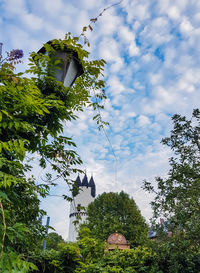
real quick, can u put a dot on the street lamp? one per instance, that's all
(70, 67)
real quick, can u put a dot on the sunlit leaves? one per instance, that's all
(13, 263)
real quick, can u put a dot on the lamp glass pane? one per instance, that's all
(59, 73)
(71, 73)
(60, 70)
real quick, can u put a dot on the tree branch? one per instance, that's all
(93, 20)
(4, 232)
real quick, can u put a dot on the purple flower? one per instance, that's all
(16, 54)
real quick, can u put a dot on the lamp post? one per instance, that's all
(47, 228)
(70, 67)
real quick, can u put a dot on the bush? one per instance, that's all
(65, 259)
(140, 259)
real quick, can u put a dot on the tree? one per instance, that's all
(32, 111)
(53, 239)
(91, 248)
(111, 212)
(177, 197)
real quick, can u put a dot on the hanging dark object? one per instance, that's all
(70, 67)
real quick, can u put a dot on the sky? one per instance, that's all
(153, 66)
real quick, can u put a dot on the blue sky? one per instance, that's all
(152, 72)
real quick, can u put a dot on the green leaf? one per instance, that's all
(3, 196)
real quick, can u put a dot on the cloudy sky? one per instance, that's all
(153, 71)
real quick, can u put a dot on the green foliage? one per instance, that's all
(177, 197)
(139, 259)
(52, 240)
(32, 112)
(11, 262)
(65, 259)
(21, 208)
(111, 212)
(90, 248)
(88, 256)
(176, 255)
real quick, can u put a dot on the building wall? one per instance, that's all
(84, 198)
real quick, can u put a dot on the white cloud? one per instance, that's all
(90, 5)
(134, 50)
(117, 65)
(163, 95)
(138, 85)
(173, 13)
(155, 79)
(50, 7)
(143, 121)
(157, 32)
(116, 87)
(109, 23)
(15, 9)
(108, 50)
(32, 21)
(125, 35)
(197, 17)
(137, 10)
(170, 55)
(186, 26)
